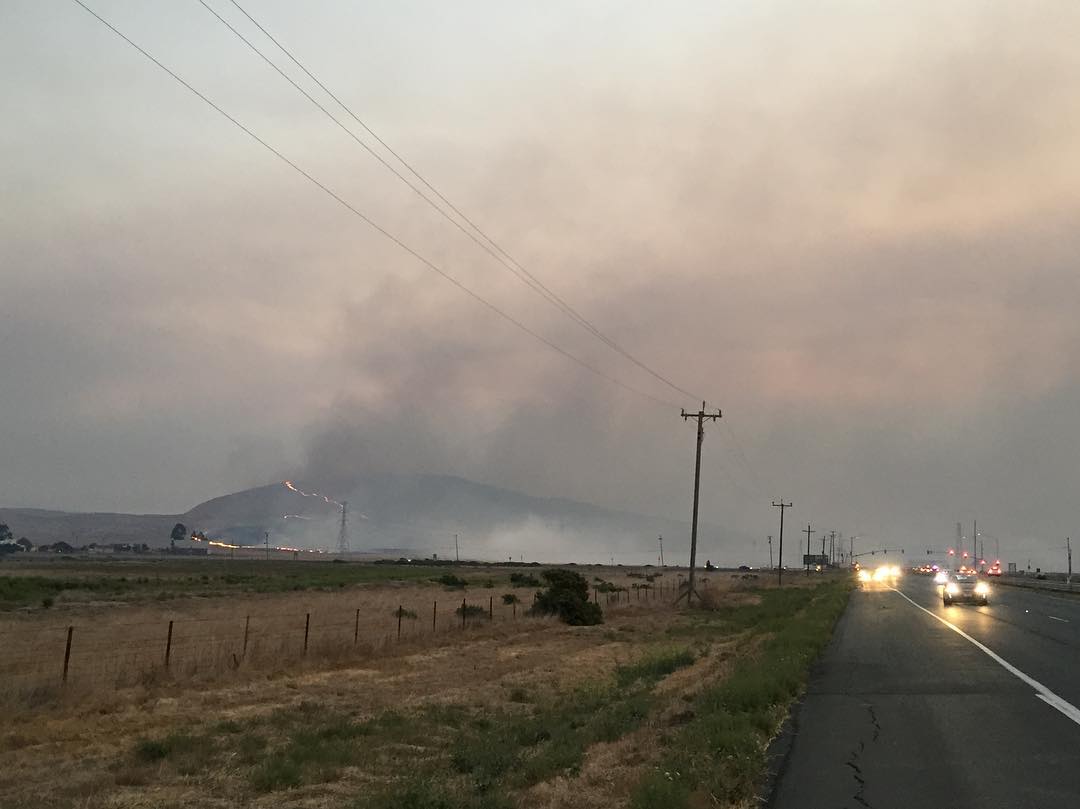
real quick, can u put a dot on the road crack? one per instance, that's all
(855, 760)
(874, 720)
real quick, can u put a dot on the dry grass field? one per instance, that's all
(505, 713)
(117, 643)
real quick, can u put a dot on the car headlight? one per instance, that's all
(864, 575)
(982, 589)
(940, 578)
(952, 588)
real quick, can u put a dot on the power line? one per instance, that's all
(744, 461)
(488, 244)
(370, 222)
(357, 139)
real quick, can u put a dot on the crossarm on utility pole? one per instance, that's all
(701, 416)
(780, 554)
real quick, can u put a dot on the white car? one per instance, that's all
(965, 587)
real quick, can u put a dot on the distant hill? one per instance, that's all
(41, 526)
(416, 513)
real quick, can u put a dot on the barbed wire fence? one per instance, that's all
(42, 659)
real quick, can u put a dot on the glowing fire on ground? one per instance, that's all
(218, 544)
(288, 484)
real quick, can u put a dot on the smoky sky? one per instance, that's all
(851, 226)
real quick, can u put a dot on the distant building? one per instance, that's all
(56, 547)
(188, 547)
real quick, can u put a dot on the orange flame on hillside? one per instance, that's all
(288, 484)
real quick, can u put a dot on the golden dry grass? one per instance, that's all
(78, 755)
(74, 748)
(118, 645)
(80, 752)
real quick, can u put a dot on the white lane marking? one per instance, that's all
(1041, 691)
(1055, 618)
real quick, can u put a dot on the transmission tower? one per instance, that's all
(343, 533)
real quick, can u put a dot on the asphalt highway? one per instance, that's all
(905, 711)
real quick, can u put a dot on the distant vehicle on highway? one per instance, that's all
(965, 587)
(994, 569)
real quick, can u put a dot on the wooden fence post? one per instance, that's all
(434, 615)
(67, 653)
(168, 645)
(307, 626)
(247, 626)
(463, 613)
(491, 608)
(399, 622)
(356, 630)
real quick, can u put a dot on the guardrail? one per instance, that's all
(1040, 584)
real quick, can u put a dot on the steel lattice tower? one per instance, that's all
(343, 533)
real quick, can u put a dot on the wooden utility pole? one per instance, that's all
(808, 532)
(770, 552)
(660, 539)
(701, 416)
(780, 555)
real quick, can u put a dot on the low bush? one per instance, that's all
(524, 580)
(567, 596)
(471, 611)
(451, 581)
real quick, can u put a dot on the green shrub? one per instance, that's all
(524, 580)
(567, 595)
(150, 750)
(451, 581)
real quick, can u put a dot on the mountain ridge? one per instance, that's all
(419, 512)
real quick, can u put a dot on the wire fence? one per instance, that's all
(104, 654)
